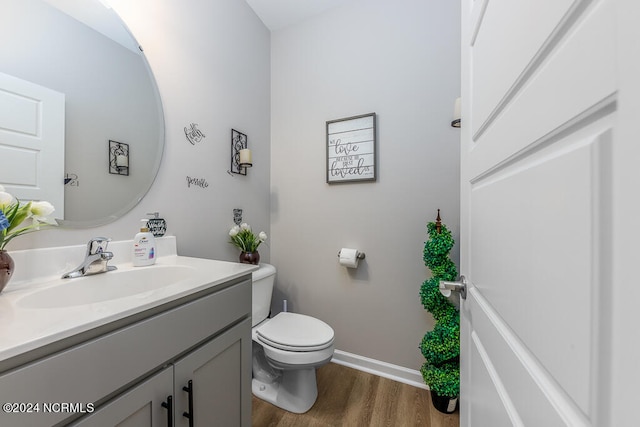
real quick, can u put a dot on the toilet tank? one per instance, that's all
(261, 290)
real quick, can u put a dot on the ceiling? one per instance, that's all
(277, 14)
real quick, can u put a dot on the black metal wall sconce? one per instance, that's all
(118, 158)
(240, 154)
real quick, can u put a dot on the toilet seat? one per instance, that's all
(295, 332)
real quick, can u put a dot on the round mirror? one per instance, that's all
(113, 123)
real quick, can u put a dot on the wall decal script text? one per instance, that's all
(193, 134)
(198, 182)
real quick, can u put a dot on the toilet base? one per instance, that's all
(296, 390)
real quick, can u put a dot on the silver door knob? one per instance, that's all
(461, 286)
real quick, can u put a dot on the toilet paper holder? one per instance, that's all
(359, 255)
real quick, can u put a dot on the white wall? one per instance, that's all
(399, 59)
(211, 61)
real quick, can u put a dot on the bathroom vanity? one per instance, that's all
(177, 353)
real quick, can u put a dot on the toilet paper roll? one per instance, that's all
(349, 257)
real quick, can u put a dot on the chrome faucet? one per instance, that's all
(95, 261)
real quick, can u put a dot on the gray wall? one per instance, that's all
(399, 59)
(211, 62)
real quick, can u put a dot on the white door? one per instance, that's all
(550, 213)
(32, 141)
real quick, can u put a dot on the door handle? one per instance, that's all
(460, 286)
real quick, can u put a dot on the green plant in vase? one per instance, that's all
(244, 239)
(441, 346)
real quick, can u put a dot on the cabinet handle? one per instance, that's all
(189, 415)
(169, 405)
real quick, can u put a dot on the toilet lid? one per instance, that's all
(296, 332)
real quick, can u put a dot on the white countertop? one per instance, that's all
(23, 329)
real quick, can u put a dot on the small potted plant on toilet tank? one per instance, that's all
(441, 346)
(243, 238)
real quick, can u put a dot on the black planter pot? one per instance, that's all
(444, 404)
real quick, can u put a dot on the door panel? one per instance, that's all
(555, 258)
(542, 108)
(540, 101)
(526, 392)
(490, 404)
(512, 30)
(32, 141)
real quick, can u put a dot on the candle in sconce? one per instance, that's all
(456, 114)
(245, 158)
(122, 161)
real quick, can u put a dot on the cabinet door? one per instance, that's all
(140, 406)
(220, 375)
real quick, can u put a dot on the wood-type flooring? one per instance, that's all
(351, 398)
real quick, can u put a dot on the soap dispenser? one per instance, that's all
(144, 247)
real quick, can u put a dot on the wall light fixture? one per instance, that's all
(456, 114)
(240, 154)
(118, 158)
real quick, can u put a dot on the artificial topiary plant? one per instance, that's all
(441, 346)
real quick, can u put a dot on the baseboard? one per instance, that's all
(377, 367)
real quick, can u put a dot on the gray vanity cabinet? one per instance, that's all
(218, 381)
(207, 384)
(140, 406)
(127, 372)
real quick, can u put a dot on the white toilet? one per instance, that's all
(287, 349)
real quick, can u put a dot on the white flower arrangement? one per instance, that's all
(14, 217)
(242, 237)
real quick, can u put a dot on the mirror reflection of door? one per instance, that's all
(32, 141)
(76, 48)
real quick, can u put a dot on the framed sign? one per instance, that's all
(351, 149)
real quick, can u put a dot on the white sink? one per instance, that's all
(107, 286)
(38, 308)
